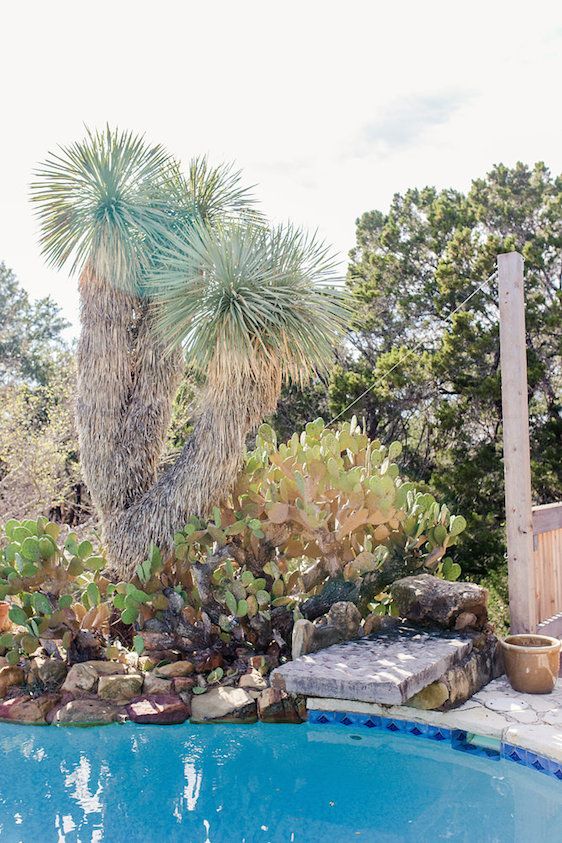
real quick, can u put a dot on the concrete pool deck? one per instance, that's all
(529, 721)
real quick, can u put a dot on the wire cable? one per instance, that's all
(411, 350)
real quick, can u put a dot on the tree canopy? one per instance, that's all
(409, 269)
(30, 332)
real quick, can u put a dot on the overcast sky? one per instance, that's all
(330, 107)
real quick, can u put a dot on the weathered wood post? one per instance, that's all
(516, 452)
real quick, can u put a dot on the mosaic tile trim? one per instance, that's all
(457, 738)
(343, 718)
(528, 758)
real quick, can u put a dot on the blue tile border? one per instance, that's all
(457, 738)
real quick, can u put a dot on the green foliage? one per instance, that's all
(30, 334)
(329, 500)
(100, 201)
(249, 289)
(50, 583)
(412, 266)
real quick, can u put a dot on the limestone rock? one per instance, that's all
(81, 679)
(146, 663)
(50, 673)
(225, 705)
(276, 706)
(428, 599)
(156, 685)
(431, 697)
(25, 709)
(253, 681)
(170, 671)
(10, 675)
(346, 617)
(466, 620)
(83, 712)
(183, 684)
(341, 623)
(120, 688)
(379, 623)
(388, 668)
(207, 660)
(159, 709)
(464, 679)
(107, 668)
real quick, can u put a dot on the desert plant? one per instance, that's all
(166, 260)
(328, 504)
(53, 583)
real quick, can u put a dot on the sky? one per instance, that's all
(328, 107)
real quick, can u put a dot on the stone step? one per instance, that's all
(387, 667)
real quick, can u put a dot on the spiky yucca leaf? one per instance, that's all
(237, 294)
(209, 194)
(101, 202)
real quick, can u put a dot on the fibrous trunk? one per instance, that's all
(126, 387)
(202, 475)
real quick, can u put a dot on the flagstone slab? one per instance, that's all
(386, 668)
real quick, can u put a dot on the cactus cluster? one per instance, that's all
(52, 582)
(328, 503)
(336, 498)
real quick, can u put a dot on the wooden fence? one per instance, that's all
(547, 557)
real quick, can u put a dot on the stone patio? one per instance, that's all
(532, 722)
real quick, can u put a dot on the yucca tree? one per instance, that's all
(176, 268)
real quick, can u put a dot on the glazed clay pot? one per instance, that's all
(532, 662)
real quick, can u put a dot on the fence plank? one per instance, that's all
(517, 462)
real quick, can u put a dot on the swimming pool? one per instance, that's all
(263, 783)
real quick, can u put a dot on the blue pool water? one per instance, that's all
(262, 783)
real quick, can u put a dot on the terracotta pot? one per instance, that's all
(532, 662)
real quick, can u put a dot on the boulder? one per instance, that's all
(183, 684)
(206, 660)
(26, 709)
(85, 646)
(342, 623)
(223, 705)
(120, 688)
(83, 678)
(428, 599)
(253, 681)
(156, 685)
(346, 617)
(10, 675)
(86, 712)
(276, 706)
(380, 623)
(170, 671)
(158, 709)
(106, 668)
(464, 679)
(50, 673)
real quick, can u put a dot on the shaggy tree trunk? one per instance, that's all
(126, 388)
(104, 384)
(202, 475)
(156, 377)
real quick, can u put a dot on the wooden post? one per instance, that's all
(516, 452)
